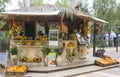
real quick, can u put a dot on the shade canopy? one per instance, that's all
(90, 17)
(99, 20)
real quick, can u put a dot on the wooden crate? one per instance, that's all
(16, 73)
(103, 65)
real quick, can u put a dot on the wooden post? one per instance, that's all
(94, 39)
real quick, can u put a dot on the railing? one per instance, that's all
(2, 45)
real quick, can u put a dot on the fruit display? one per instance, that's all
(12, 68)
(29, 43)
(20, 37)
(21, 42)
(44, 39)
(70, 44)
(16, 69)
(37, 59)
(21, 68)
(30, 60)
(23, 59)
(11, 31)
(24, 38)
(38, 37)
(107, 60)
(37, 43)
(72, 37)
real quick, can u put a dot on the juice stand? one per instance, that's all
(35, 50)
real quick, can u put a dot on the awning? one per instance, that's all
(90, 17)
(82, 15)
(31, 13)
(99, 20)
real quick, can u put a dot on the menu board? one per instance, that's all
(53, 38)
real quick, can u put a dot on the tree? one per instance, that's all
(2, 5)
(3, 35)
(73, 3)
(62, 3)
(36, 2)
(117, 14)
(105, 9)
(85, 6)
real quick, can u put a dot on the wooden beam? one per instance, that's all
(94, 40)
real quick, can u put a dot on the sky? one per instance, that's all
(14, 3)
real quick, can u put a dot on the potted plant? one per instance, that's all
(59, 56)
(101, 45)
(45, 52)
(13, 51)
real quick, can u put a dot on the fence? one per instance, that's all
(2, 45)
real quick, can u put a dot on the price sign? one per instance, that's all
(3, 58)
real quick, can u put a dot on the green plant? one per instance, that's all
(59, 51)
(45, 50)
(13, 50)
(101, 43)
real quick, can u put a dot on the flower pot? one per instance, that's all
(59, 60)
(14, 59)
(46, 61)
(100, 53)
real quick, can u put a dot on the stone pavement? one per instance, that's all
(113, 72)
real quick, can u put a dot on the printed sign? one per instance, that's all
(3, 58)
(52, 59)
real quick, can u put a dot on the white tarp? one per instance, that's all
(31, 13)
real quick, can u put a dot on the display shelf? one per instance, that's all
(30, 52)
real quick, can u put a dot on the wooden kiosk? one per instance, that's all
(29, 45)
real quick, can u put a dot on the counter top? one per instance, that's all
(26, 46)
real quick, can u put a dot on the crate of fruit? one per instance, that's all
(16, 70)
(106, 61)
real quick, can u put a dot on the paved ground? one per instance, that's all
(113, 72)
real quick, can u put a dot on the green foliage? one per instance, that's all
(3, 34)
(62, 3)
(101, 42)
(59, 51)
(2, 4)
(13, 50)
(105, 9)
(45, 50)
(85, 6)
(2, 23)
(117, 14)
(36, 2)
